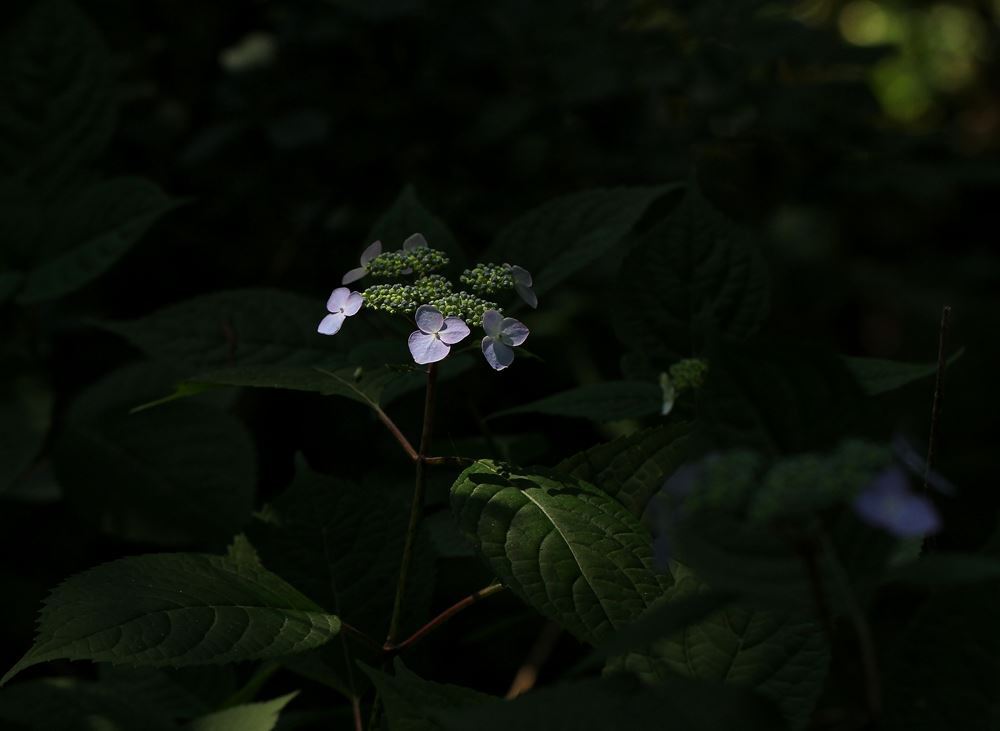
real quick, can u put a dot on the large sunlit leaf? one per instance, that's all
(562, 545)
(599, 402)
(696, 269)
(633, 468)
(261, 716)
(176, 610)
(57, 110)
(566, 234)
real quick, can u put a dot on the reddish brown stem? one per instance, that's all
(394, 430)
(391, 649)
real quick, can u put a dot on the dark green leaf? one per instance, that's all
(784, 657)
(695, 269)
(562, 545)
(236, 328)
(183, 472)
(947, 569)
(408, 216)
(564, 235)
(620, 703)
(778, 398)
(600, 402)
(877, 376)
(57, 110)
(943, 672)
(66, 704)
(670, 614)
(248, 717)
(176, 610)
(341, 545)
(633, 468)
(87, 233)
(24, 424)
(411, 701)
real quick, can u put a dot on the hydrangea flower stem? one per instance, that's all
(400, 437)
(416, 507)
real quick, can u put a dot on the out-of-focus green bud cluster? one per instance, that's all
(810, 483)
(726, 481)
(396, 264)
(465, 305)
(688, 374)
(488, 278)
(433, 287)
(396, 299)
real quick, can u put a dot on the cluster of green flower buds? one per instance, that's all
(488, 278)
(432, 287)
(419, 261)
(465, 305)
(396, 299)
(688, 374)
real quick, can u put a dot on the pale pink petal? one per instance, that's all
(354, 275)
(330, 325)
(337, 299)
(527, 294)
(426, 348)
(371, 252)
(513, 332)
(454, 330)
(491, 323)
(416, 241)
(521, 275)
(498, 355)
(353, 303)
(429, 319)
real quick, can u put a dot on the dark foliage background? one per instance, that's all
(857, 144)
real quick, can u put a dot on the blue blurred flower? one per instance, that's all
(889, 503)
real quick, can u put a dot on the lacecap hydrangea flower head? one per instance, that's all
(408, 282)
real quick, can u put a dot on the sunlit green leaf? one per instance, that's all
(176, 610)
(247, 717)
(566, 548)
